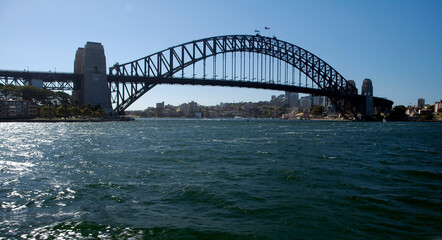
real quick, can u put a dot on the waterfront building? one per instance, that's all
(160, 106)
(14, 108)
(184, 108)
(305, 102)
(411, 111)
(437, 106)
(193, 106)
(189, 109)
(420, 103)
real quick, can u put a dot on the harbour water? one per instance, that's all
(221, 179)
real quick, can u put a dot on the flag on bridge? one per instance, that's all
(267, 28)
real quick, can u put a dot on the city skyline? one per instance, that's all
(395, 44)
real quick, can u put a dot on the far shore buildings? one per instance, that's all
(17, 108)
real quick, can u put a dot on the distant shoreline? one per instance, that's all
(77, 120)
(56, 120)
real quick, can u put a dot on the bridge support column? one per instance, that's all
(367, 102)
(93, 88)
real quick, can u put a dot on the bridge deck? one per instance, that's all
(63, 78)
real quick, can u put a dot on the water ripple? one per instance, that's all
(198, 179)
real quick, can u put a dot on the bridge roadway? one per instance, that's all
(50, 80)
(67, 81)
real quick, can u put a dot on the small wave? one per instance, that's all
(90, 230)
(200, 194)
(424, 174)
(424, 202)
(16, 167)
(289, 133)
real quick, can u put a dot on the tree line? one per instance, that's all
(52, 104)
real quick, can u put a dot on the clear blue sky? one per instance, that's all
(398, 44)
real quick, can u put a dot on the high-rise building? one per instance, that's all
(292, 99)
(278, 101)
(317, 100)
(420, 103)
(305, 102)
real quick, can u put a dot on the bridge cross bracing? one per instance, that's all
(236, 60)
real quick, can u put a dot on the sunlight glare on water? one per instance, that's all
(220, 179)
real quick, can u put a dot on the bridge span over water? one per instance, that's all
(250, 61)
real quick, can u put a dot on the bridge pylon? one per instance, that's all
(93, 88)
(367, 101)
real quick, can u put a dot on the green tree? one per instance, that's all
(42, 96)
(62, 111)
(63, 98)
(427, 117)
(86, 112)
(398, 114)
(10, 89)
(31, 93)
(101, 112)
(47, 111)
(317, 110)
(75, 111)
(76, 103)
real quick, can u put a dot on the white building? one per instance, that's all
(437, 106)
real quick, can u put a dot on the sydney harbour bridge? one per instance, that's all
(250, 61)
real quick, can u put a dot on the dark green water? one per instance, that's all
(221, 179)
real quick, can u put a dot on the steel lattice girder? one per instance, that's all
(161, 64)
(51, 81)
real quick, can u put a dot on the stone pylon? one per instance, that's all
(93, 88)
(367, 92)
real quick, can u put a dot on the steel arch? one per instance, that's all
(166, 63)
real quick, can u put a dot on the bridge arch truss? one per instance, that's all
(252, 61)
